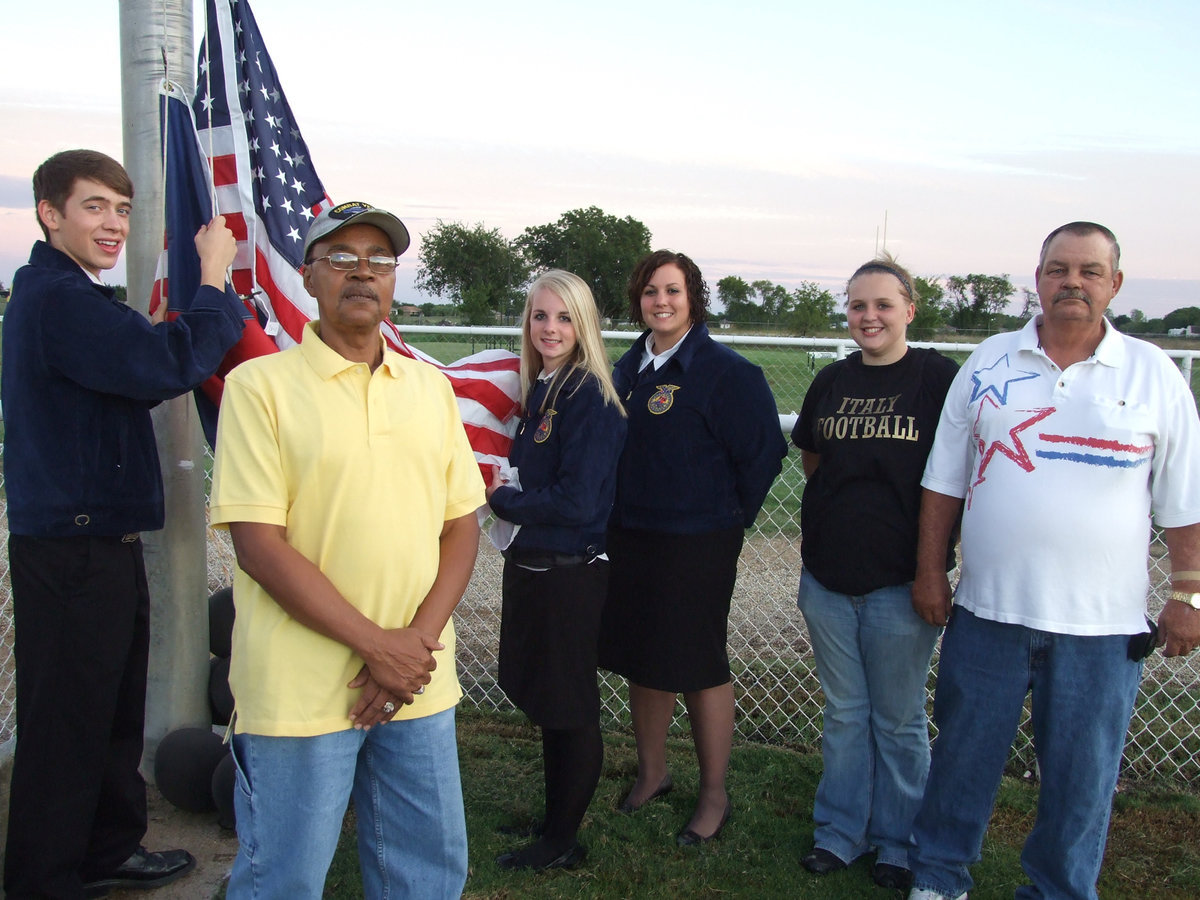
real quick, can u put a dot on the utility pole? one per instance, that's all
(156, 42)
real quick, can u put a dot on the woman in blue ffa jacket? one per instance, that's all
(704, 447)
(864, 432)
(555, 571)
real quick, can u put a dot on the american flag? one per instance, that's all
(188, 205)
(269, 193)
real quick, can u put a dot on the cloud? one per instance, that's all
(15, 193)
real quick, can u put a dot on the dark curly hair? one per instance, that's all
(693, 282)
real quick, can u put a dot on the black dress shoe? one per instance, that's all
(886, 875)
(689, 838)
(145, 869)
(664, 788)
(820, 861)
(568, 859)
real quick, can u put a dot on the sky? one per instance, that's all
(764, 139)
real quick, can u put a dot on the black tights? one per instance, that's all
(571, 760)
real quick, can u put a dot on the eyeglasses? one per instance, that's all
(348, 262)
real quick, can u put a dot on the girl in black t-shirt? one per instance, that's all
(864, 432)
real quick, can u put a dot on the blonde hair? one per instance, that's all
(887, 263)
(588, 357)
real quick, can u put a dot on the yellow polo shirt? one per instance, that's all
(362, 468)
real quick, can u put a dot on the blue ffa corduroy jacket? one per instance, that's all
(704, 443)
(566, 459)
(80, 374)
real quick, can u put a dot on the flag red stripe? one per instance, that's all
(508, 364)
(224, 169)
(484, 440)
(236, 223)
(291, 318)
(485, 393)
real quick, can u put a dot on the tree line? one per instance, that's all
(483, 275)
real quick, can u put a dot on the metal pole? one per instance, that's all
(177, 694)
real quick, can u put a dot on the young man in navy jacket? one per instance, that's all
(80, 374)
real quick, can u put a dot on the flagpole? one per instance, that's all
(157, 40)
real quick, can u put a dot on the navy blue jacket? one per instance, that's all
(704, 442)
(80, 373)
(566, 459)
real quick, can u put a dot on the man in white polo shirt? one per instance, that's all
(1058, 443)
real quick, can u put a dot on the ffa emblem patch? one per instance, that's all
(660, 401)
(543, 430)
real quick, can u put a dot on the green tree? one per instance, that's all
(735, 294)
(1182, 318)
(976, 300)
(808, 309)
(931, 312)
(474, 267)
(1134, 323)
(601, 249)
(773, 298)
(1031, 305)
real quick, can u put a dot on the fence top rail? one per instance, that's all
(841, 346)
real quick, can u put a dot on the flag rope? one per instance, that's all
(212, 183)
(165, 90)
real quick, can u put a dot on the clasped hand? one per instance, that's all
(396, 670)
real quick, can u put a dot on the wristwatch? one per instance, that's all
(1192, 600)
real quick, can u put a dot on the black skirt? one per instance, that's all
(666, 621)
(549, 625)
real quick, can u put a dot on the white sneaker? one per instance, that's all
(925, 894)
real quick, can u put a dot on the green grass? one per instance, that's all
(1153, 849)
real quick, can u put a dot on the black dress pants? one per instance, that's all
(77, 809)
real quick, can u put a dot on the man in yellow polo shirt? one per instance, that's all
(345, 478)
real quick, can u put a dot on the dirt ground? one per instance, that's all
(170, 827)
(199, 834)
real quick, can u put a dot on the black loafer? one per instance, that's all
(568, 859)
(887, 875)
(145, 869)
(689, 838)
(820, 861)
(664, 788)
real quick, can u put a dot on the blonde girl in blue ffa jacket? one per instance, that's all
(556, 570)
(704, 447)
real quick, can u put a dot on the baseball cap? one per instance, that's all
(356, 212)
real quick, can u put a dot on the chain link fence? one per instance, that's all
(778, 694)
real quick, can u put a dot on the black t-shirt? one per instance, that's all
(873, 427)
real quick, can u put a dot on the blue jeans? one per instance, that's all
(1083, 694)
(291, 798)
(872, 654)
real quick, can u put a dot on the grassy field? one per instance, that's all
(1153, 849)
